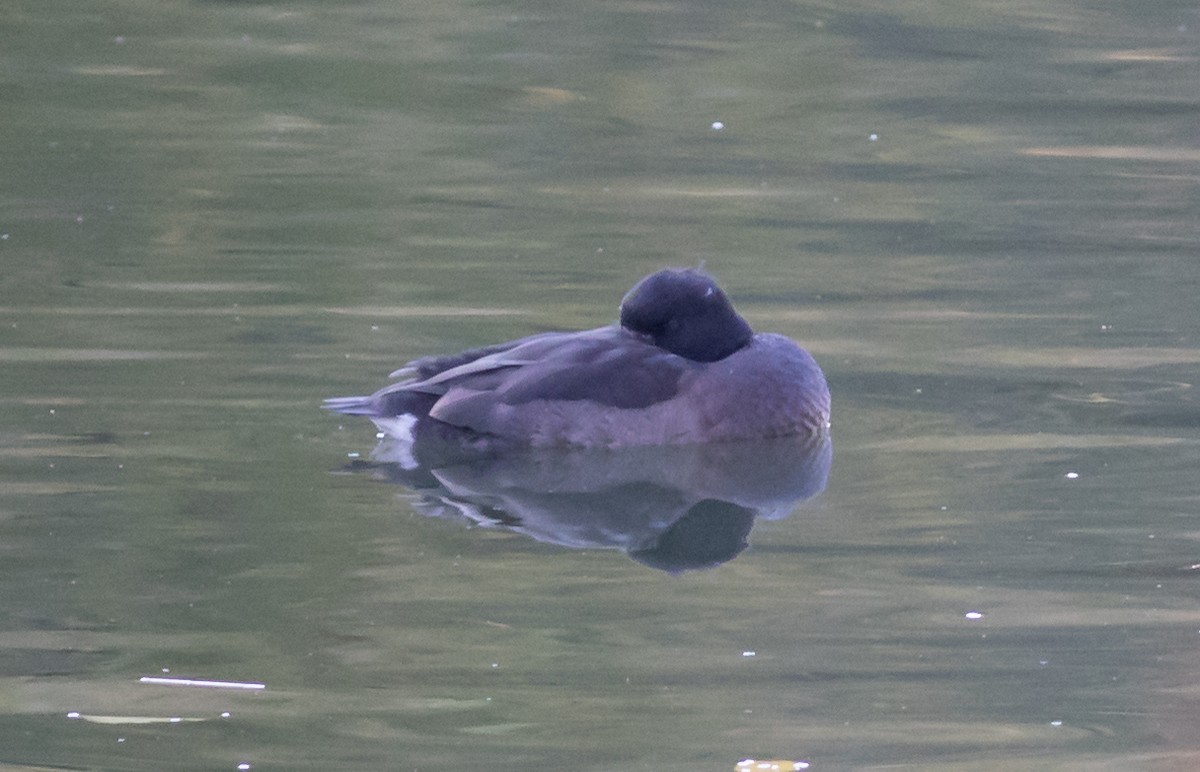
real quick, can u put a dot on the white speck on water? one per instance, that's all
(749, 653)
(225, 714)
(873, 138)
(353, 454)
(1072, 475)
(973, 615)
(119, 40)
(1055, 723)
(73, 714)
(718, 126)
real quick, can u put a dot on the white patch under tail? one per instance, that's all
(399, 448)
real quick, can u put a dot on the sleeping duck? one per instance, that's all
(680, 367)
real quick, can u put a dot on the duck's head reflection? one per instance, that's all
(670, 508)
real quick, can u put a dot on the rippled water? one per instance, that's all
(981, 220)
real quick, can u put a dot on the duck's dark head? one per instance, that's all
(683, 311)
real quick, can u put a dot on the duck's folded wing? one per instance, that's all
(622, 373)
(630, 376)
(428, 367)
(480, 369)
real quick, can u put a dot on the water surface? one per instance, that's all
(981, 221)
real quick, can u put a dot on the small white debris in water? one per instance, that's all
(175, 720)
(1055, 723)
(873, 138)
(1072, 475)
(717, 126)
(243, 765)
(352, 454)
(225, 714)
(119, 40)
(973, 615)
(73, 714)
(200, 682)
(3, 237)
(749, 653)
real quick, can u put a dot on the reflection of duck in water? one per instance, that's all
(672, 508)
(681, 367)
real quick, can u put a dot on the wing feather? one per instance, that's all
(609, 367)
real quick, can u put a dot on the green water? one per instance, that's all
(980, 218)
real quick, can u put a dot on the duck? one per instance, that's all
(680, 366)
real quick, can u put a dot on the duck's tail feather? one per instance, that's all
(352, 405)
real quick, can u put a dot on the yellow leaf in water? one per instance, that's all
(755, 765)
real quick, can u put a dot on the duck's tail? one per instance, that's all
(352, 405)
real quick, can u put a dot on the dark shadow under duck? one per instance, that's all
(680, 367)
